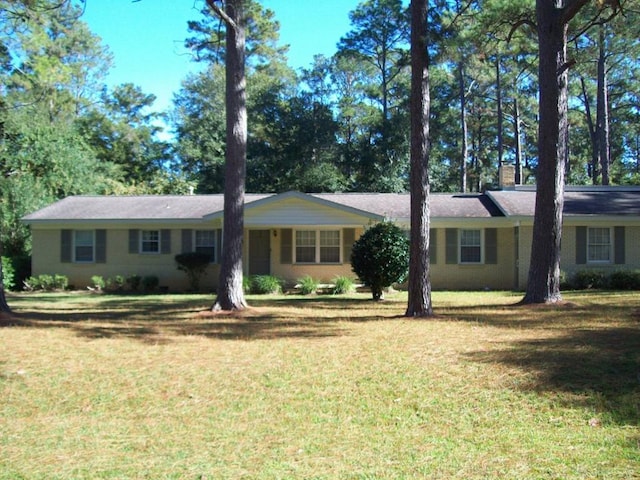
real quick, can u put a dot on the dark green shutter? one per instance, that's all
(451, 238)
(491, 246)
(433, 245)
(101, 246)
(348, 237)
(581, 245)
(65, 246)
(165, 241)
(134, 242)
(619, 245)
(286, 245)
(187, 240)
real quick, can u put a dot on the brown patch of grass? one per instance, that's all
(320, 387)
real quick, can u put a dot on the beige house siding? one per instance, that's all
(291, 272)
(568, 263)
(297, 211)
(499, 276)
(569, 241)
(524, 255)
(508, 222)
(46, 259)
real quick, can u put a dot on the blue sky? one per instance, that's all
(146, 37)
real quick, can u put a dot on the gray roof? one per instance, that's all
(395, 206)
(623, 201)
(143, 207)
(398, 205)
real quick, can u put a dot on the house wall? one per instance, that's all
(498, 276)
(46, 260)
(568, 263)
(297, 211)
(524, 255)
(509, 272)
(324, 273)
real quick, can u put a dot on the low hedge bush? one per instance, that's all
(265, 284)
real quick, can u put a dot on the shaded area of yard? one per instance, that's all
(600, 368)
(100, 386)
(590, 344)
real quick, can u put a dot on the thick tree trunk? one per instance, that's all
(544, 271)
(419, 301)
(230, 291)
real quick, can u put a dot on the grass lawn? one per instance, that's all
(323, 387)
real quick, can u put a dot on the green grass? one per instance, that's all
(323, 387)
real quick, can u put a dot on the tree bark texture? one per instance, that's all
(543, 284)
(230, 291)
(419, 301)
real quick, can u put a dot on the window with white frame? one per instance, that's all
(150, 241)
(329, 246)
(470, 246)
(305, 246)
(599, 245)
(83, 246)
(205, 242)
(317, 246)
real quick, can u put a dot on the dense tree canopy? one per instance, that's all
(342, 124)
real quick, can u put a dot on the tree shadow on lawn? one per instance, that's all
(153, 320)
(597, 367)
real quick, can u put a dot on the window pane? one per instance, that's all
(329, 246)
(83, 245)
(470, 246)
(205, 238)
(305, 246)
(206, 243)
(599, 244)
(150, 241)
(470, 255)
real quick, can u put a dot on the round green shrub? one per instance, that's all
(380, 257)
(194, 264)
(265, 285)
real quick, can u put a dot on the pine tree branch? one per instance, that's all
(222, 14)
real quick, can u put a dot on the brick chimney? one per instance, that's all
(507, 176)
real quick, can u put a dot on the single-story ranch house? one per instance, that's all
(478, 241)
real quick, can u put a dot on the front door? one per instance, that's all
(259, 252)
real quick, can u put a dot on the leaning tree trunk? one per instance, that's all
(543, 284)
(419, 302)
(230, 291)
